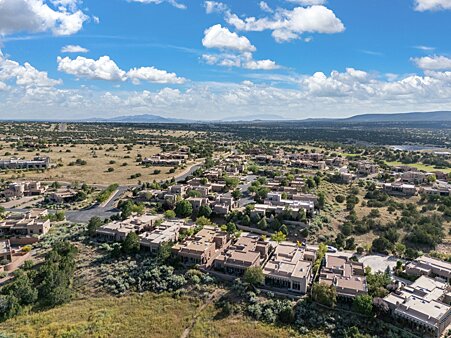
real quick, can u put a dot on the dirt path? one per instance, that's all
(214, 296)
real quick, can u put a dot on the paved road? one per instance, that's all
(182, 177)
(110, 209)
(84, 215)
(246, 197)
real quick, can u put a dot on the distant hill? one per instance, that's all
(401, 117)
(436, 116)
(257, 117)
(144, 118)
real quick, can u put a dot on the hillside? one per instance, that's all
(401, 117)
(137, 316)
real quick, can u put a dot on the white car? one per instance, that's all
(331, 249)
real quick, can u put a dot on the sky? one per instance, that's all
(208, 60)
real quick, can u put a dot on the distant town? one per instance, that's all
(320, 238)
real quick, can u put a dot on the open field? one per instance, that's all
(133, 316)
(137, 316)
(208, 325)
(98, 160)
(420, 166)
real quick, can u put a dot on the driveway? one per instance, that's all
(379, 262)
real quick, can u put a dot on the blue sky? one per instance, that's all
(211, 59)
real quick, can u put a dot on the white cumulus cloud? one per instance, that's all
(432, 5)
(265, 7)
(436, 62)
(157, 2)
(23, 75)
(287, 25)
(308, 2)
(34, 16)
(244, 60)
(74, 49)
(106, 69)
(215, 7)
(151, 74)
(102, 69)
(222, 38)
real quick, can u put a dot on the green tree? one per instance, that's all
(60, 216)
(169, 214)
(231, 228)
(9, 307)
(204, 211)
(400, 249)
(231, 182)
(236, 194)
(310, 183)
(278, 237)
(194, 193)
(56, 274)
(340, 198)
(183, 209)
(284, 229)
(363, 304)
(94, 223)
(324, 294)
(263, 223)
(202, 220)
(164, 252)
(131, 243)
(254, 276)
(21, 288)
(321, 200)
(382, 245)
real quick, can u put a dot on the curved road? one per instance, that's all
(84, 215)
(110, 208)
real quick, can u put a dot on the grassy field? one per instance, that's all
(133, 316)
(209, 326)
(122, 160)
(146, 315)
(419, 166)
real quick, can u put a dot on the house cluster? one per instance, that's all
(439, 188)
(22, 189)
(427, 302)
(199, 192)
(305, 160)
(171, 159)
(276, 204)
(366, 168)
(17, 163)
(25, 228)
(286, 266)
(61, 195)
(151, 229)
(348, 277)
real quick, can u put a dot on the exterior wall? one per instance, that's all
(18, 260)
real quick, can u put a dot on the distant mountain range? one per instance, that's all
(145, 118)
(401, 117)
(258, 117)
(435, 116)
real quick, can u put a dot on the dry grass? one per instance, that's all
(158, 316)
(98, 162)
(133, 316)
(237, 327)
(420, 166)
